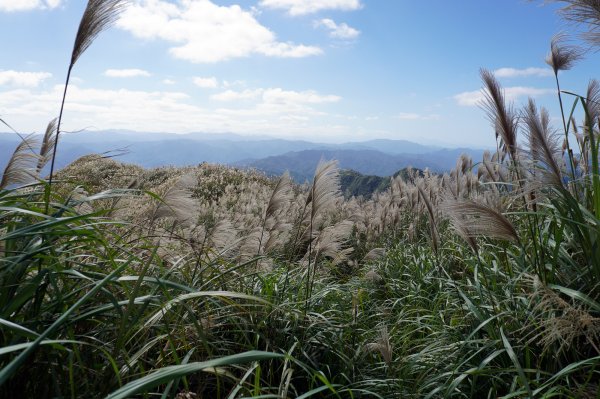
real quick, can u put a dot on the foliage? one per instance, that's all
(214, 282)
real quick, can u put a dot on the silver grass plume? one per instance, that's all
(98, 16)
(282, 194)
(374, 254)
(502, 116)
(464, 163)
(562, 56)
(374, 277)
(177, 202)
(329, 243)
(222, 237)
(325, 188)
(323, 193)
(47, 148)
(383, 345)
(435, 238)
(593, 103)
(543, 144)
(21, 166)
(563, 324)
(487, 169)
(582, 142)
(278, 234)
(473, 219)
(583, 12)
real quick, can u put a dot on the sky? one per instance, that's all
(321, 70)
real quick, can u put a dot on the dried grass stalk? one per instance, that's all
(502, 115)
(472, 219)
(98, 16)
(543, 145)
(21, 166)
(47, 148)
(562, 55)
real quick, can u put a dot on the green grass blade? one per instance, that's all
(169, 373)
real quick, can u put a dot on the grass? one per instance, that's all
(207, 281)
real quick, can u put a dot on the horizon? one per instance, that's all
(236, 137)
(326, 72)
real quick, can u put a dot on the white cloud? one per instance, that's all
(474, 98)
(341, 31)
(27, 79)
(126, 73)
(271, 111)
(302, 7)
(231, 95)
(203, 32)
(518, 73)
(410, 116)
(27, 5)
(279, 96)
(168, 81)
(276, 96)
(206, 83)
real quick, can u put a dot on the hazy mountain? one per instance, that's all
(374, 157)
(390, 146)
(302, 164)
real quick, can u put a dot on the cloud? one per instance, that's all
(26, 79)
(126, 73)
(203, 32)
(410, 116)
(269, 111)
(168, 81)
(341, 31)
(276, 96)
(27, 5)
(303, 7)
(474, 98)
(231, 95)
(206, 83)
(518, 73)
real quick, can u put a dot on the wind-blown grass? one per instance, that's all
(213, 282)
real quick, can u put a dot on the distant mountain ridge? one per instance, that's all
(380, 157)
(301, 164)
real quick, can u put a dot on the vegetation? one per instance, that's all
(117, 281)
(354, 184)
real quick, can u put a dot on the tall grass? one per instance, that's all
(213, 282)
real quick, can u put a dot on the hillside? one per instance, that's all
(272, 156)
(300, 164)
(355, 184)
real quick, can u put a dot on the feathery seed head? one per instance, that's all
(501, 115)
(98, 16)
(562, 56)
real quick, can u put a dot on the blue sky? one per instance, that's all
(326, 70)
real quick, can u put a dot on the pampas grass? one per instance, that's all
(48, 144)
(474, 219)
(543, 145)
(98, 16)
(502, 115)
(200, 269)
(21, 167)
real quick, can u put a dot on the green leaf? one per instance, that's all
(513, 356)
(170, 373)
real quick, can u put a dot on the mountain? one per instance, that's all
(302, 164)
(355, 184)
(380, 157)
(390, 146)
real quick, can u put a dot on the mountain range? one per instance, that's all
(380, 157)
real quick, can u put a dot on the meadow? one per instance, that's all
(214, 282)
